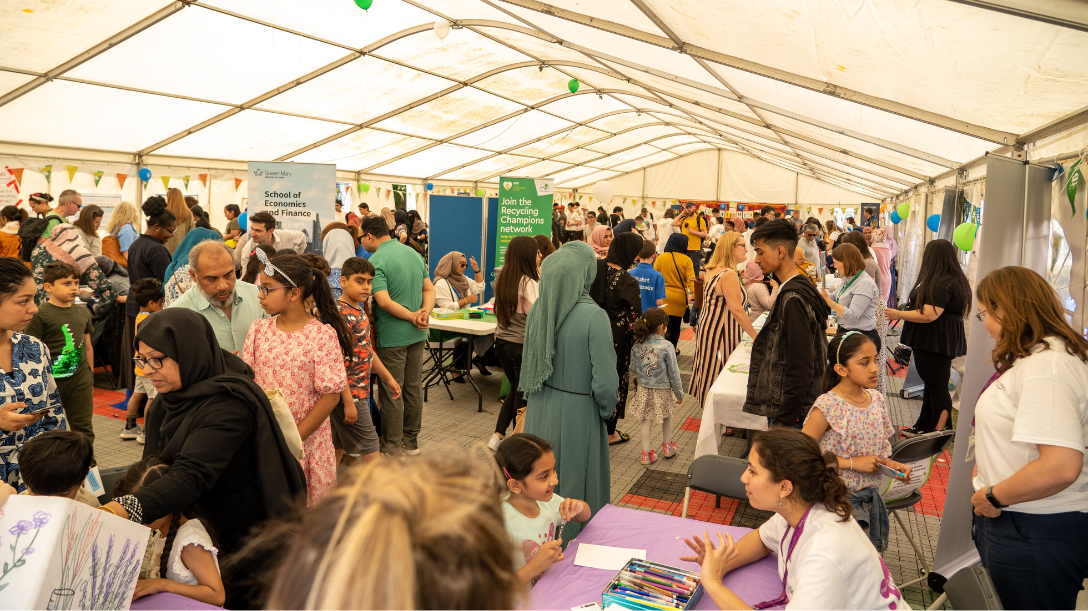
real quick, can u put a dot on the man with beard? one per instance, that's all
(229, 304)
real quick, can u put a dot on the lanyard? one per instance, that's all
(847, 285)
(784, 599)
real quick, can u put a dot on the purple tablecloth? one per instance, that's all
(565, 586)
(164, 600)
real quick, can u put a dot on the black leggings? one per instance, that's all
(934, 369)
(674, 330)
(509, 355)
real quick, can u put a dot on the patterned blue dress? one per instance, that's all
(30, 382)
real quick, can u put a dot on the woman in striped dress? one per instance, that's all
(723, 316)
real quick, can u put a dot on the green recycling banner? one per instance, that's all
(525, 208)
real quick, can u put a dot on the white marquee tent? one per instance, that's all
(781, 101)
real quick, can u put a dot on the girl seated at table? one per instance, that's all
(824, 558)
(188, 559)
(534, 513)
(850, 420)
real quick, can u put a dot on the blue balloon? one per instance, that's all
(145, 174)
(243, 221)
(933, 222)
(430, 186)
(894, 216)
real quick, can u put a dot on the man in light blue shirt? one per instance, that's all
(230, 305)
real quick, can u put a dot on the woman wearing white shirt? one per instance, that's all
(665, 229)
(1031, 432)
(452, 289)
(824, 558)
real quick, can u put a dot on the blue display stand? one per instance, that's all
(489, 267)
(456, 224)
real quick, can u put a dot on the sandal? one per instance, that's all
(624, 438)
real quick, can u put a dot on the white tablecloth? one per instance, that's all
(725, 400)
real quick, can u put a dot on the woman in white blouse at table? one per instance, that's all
(1031, 432)
(454, 290)
(824, 558)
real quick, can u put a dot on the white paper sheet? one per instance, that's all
(606, 557)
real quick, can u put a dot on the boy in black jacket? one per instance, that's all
(790, 352)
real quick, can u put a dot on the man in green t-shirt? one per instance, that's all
(403, 299)
(68, 204)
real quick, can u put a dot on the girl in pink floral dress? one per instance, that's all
(303, 357)
(851, 421)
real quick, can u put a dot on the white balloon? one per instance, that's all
(441, 29)
(603, 192)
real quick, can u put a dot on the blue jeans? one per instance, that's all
(1036, 561)
(871, 513)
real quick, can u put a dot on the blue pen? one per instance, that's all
(655, 595)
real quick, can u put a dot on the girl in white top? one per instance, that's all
(534, 513)
(760, 296)
(1031, 436)
(454, 290)
(665, 229)
(188, 561)
(824, 559)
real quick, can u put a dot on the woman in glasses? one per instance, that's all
(216, 428)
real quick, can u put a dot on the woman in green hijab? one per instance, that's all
(568, 374)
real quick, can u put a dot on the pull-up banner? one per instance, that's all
(301, 196)
(525, 208)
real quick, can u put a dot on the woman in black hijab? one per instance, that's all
(216, 428)
(616, 291)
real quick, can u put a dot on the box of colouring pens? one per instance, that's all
(642, 584)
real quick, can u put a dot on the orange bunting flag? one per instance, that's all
(18, 174)
(237, 183)
(121, 180)
(71, 172)
(98, 177)
(203, 179)
(166, 182)
(821, 210)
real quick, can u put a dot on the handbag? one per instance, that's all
(111, 247)
(286, 420)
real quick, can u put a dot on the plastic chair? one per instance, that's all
(440, 347)
(110, 475)
(717, 475)
(909, 450)
(970, 588)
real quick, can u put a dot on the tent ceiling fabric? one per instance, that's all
(870, 96)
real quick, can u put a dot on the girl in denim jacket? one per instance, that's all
(653, 366)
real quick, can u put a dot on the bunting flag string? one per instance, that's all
(71, 172)
(47, 171)
(98, 177)
(166, 182)
(121, 180)
(203, 180)
(185, 181)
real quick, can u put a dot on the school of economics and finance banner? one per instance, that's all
(525, 208)
(301, 196)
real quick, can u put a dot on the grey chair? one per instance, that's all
(717, 475)
(909, 450)
(970, 588)
(110, 475)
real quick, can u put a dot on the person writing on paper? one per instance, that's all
(824, 558)
(851, 421)
(454, 290)
(1031, 431)
(534, 514)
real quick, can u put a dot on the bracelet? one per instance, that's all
(109, 509)
(851, 463)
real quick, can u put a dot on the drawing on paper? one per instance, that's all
(65, 555)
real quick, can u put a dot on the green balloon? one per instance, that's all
(572, 84)
(364, 187)
(480, 192)
(364, 4)
(903, 210)
(964, 236)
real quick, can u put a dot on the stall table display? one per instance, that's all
(479, 332)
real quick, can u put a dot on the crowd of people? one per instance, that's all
(256, 362)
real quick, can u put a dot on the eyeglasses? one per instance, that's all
(265, 290)
(981, 316)
(142, 363)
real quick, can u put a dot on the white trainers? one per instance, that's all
(493, 443)
(414, 452)
(141, 438)
(135, 432)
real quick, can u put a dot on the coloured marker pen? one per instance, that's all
(645, 602)
(648, 593)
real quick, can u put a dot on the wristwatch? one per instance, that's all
(993, 500)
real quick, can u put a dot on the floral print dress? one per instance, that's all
(856, 431)
(30, 381)
(304, 365)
